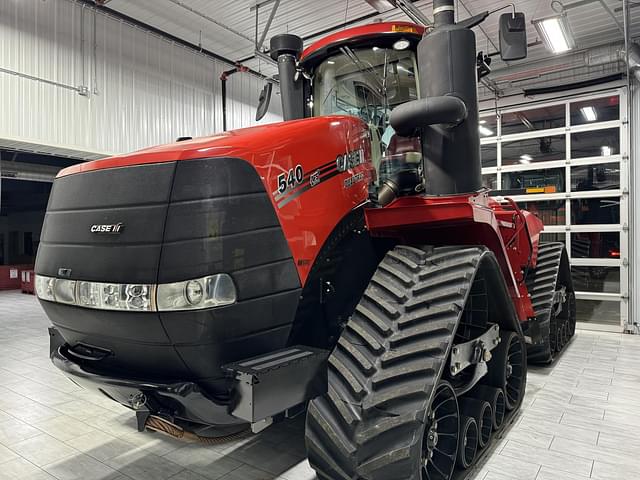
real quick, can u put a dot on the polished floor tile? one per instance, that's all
(579, 421)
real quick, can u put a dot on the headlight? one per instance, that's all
(206, 292)
(64, 291)
(114, 296)
(44, 288)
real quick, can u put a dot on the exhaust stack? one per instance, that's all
(447, 116)
(286, 49)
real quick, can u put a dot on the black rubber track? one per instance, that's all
(387, 363)
(551, 271)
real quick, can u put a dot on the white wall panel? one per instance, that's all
(143, 89)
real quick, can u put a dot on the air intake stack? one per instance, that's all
(446, 117)
(286, 49)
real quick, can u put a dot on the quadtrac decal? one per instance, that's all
(295, 181)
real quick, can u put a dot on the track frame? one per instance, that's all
(380, 386)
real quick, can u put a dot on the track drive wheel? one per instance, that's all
(388, 413)
(440, 441)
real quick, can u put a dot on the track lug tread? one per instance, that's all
(448, 311)
(421, 331)
(361, 360)
(399, 372)
(382, 281)
(388, 362)
(393, 270)
(349, 378)
(363, 334)
(427, 348)
(340, 405)
(380, 302)
(403, 258)
(374, 319)
(541, 284)
(386, 424)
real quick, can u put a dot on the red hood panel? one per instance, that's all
(241, 143)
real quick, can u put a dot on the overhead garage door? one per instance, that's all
(572, 156)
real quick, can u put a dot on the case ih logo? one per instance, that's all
(113, 229)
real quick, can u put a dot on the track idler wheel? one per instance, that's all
(468, 439)
(507, 368)
(495, 397)
(482, 413)
(440, 442)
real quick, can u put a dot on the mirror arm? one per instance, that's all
(512, 5)
(474, 21)
(481, 17)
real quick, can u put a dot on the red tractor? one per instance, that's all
(346, 261)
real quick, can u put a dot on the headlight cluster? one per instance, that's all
(206, 292)
(199, 293)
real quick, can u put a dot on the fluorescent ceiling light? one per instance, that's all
(555, 33)
(589, 114)
(482, 122)
(525, 159)
(605, 150)
(485, 131)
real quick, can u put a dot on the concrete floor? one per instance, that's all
(580, 420)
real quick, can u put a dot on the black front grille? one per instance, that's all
(181, 220)
(136, 197)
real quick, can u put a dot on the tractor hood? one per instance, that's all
(116, 219)
(258, 145)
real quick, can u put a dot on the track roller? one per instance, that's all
(495, 397)
(468, 442)
(482, 413)
(507, 368)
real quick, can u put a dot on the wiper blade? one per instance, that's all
(366, 69)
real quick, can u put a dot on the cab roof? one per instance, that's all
(394, 29)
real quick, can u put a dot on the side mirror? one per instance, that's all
(263, 101)
(513, 36)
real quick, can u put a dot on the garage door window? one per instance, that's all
(573, 156)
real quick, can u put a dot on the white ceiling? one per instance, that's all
(228, 27)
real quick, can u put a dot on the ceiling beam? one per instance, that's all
(211, 19)
(150, 28)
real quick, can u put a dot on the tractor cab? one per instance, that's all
(366, 72)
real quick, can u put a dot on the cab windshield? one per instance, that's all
(365, 82)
